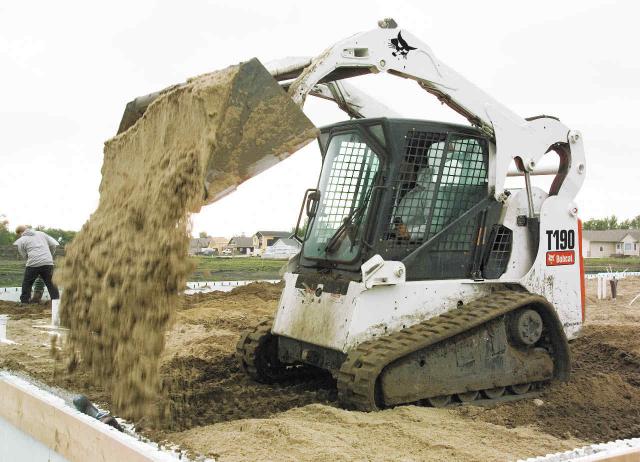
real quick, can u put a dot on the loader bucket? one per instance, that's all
(253, 123)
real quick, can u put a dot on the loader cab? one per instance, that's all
(405, 189)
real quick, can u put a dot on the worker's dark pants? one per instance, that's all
(30, 275)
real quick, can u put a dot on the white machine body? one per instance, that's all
(384, 302)
(341, 322)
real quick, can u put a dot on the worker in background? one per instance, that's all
(37, 248)
(38, 287)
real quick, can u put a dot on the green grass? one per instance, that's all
(592, 265)
(235, 269)
(206, 269)
(11, 272)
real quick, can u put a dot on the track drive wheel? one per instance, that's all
(526, 327)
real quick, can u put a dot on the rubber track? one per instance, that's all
(247, 349)
(359, 373)
(247, 345)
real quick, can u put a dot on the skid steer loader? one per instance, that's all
(421, 279)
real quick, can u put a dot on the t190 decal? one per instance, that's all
(560, 245)
(563, 239)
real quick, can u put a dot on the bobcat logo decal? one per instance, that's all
(401, 47)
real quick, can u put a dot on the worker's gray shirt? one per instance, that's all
(37, 247)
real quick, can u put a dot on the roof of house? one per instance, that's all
(610, 235)
(218, 240)
(288, 241)
(196, 242)
(275, 233)
(241, 241)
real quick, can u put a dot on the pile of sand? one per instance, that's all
(319, 433)
(123, 271)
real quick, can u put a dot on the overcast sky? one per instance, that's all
(67, 70)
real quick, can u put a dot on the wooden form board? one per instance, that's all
(73, 435)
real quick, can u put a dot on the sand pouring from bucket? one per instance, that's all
(261, 126)
(194, 143)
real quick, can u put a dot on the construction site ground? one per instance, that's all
(217, 411)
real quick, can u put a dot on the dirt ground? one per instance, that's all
(219, 412)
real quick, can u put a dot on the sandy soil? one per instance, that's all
(217, 411)
(318, 433)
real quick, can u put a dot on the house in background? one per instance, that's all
(283, 249)
(242, 245)
(218, 244)
(611, 243)
(196, 244)
(263, 239)
(207, 245)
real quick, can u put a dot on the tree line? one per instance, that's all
(611, 222)
(8, 237)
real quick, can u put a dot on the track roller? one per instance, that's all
(520, 389)
(440, 401)
(494, 393)
(468, 396)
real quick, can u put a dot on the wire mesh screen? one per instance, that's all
(414, 188)
(463, 184)
(351, 168)
(440, 178)
(500, 241)
(350, 179)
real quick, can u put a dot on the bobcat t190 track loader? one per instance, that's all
(421, 278)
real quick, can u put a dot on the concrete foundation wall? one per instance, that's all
(18, 446)
(37, 426)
